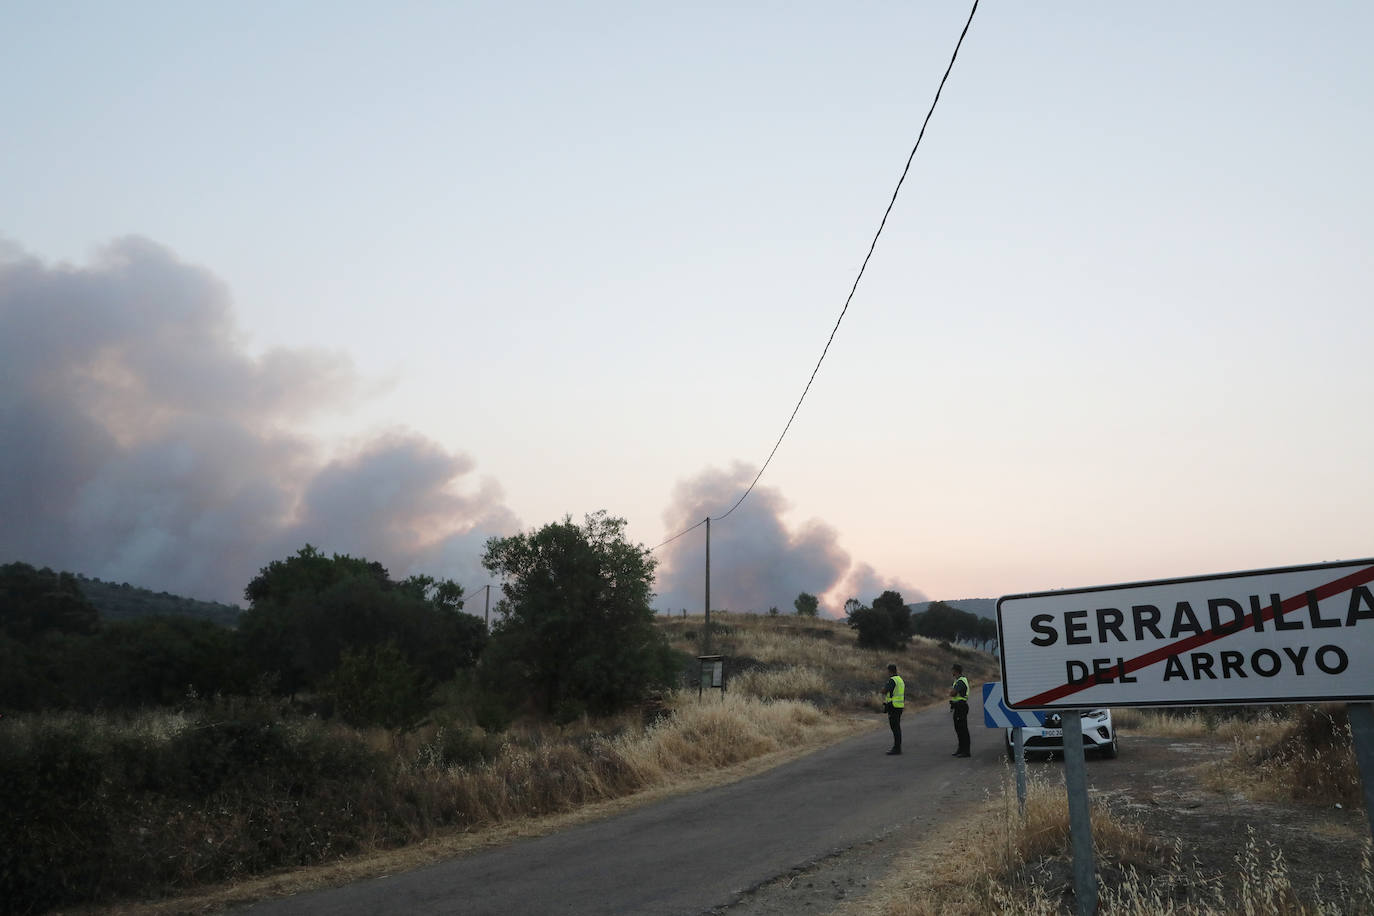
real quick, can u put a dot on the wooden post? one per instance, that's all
(706, 640)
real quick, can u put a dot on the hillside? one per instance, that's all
(122, 601)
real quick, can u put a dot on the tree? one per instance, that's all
(886, 625)
(806, 604)
(891, 604)
(310, 572)
(442, 593)
(576, 629)
(154, 661)
(944, 621)
(38, 601)
(309, 609)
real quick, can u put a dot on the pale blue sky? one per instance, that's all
(1118, 326)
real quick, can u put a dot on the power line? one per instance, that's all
(678, 535)
(854, 288)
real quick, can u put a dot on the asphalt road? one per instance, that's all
(701, 852)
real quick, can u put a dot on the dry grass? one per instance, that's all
(1019, 866)
(541, 773)
(1022, 865)
(1306, 755)
(1007, 863)
(1160, 723)
(1222, 722)
(819, 660)
(1280, 753)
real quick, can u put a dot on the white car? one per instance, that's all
(1098, 735)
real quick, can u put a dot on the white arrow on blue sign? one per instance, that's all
(997, 714)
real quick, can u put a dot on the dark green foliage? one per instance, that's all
(22, 685)
(48, 791)
(942, 621)
(35, 602)
(886, 625)
(122, 601)
(377, 686)
(91, 814)
(577, 632)
(145, 662)
(309, 609)
(310, 572)
(806, 604)
(154, 661)
(891, 604)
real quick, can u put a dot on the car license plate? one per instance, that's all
(1052, 732)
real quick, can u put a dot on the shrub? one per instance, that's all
(378, 687)
(97, 809)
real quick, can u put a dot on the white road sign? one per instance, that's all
(1296, 634)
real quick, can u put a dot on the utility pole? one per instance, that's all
(706, 643)
(487, 610)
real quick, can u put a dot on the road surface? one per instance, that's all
(700, 852)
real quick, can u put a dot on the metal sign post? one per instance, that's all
(996, 714)
(1018, 749)
(1080, 824)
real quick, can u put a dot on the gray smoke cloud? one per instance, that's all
(140, 441)
(757, 561)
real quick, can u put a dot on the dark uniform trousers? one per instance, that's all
(960, 711)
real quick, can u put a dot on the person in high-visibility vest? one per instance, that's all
(958, 706)
(894, 699)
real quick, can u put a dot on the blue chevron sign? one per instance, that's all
(997, 714)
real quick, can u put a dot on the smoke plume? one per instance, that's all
(141, 442)
(757, 561)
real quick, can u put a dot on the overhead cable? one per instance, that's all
(854, 288)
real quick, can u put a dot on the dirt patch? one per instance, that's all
(1156, 783)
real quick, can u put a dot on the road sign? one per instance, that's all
(996, 713)
(1294, 634)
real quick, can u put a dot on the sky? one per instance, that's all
(392, 279)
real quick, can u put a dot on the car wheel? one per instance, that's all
(1109, 750)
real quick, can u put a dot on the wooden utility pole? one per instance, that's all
(706, 641)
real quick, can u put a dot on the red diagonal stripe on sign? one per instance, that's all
(1322, 592)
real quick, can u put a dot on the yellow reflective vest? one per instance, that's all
(964, 698)
(898, 696)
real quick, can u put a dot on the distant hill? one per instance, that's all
(122, 601)
(983, 607)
